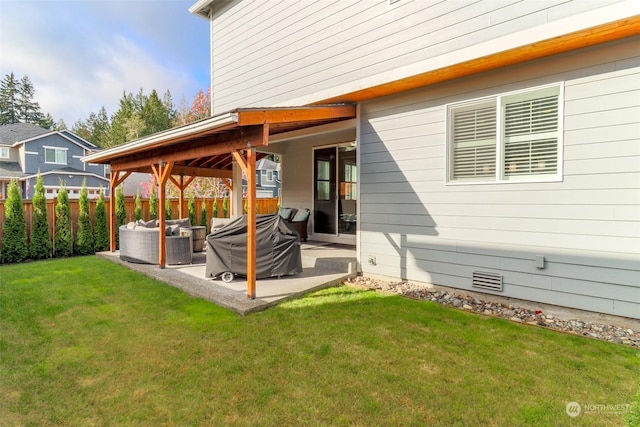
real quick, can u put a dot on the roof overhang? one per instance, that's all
(205, 148)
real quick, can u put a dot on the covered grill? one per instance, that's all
(277, 249)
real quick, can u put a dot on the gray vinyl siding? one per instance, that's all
(587, 226)
(269, 52)
(33, 162)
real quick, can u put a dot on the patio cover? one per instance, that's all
(208, 148)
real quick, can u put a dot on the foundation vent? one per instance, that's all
(489, 281)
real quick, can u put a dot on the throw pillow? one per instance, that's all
(301, 215)
(285, 213)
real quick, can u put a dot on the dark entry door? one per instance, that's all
(324, 194)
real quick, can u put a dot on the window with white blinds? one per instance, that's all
(506, 138)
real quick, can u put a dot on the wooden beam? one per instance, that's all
(241, 161)
(250, 136)
(299, 114)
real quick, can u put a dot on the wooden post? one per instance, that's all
(251, 223)
(114, 180)
(162, 172)
(181, 197)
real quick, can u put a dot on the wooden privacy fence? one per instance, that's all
(262, 205)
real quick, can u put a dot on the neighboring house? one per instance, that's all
(497, 144)
(267, 179)
(26, 149)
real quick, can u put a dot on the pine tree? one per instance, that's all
(63, 235)
(40, 244)
(102, 226)
(121, 213)
(191, 208)
(28, 110)
(9, 99)
(85, 242)
(14, 240)
(137, 211)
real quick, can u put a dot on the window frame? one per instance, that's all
(56, 150)
(500, 101)
(7, 150)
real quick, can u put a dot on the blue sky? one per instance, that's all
(83, 54)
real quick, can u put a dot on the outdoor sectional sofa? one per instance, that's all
(139, 242)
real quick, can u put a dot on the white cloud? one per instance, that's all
(77, 68)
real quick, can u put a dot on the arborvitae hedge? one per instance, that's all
(137, 211)
(167, 209)
(121, 213)
(153, 204)
(203, 216)
(191, 208)
(40, 244)
(63, 236)
(101, 226)
(14, 240)
(85, 242)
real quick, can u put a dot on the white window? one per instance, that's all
(55, 155)
(270, 176)
(4, 152)
(509, 137)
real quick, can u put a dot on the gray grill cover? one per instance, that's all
(277, 248)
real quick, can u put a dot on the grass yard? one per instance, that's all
(87, 342)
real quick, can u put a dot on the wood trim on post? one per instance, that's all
(251, 223)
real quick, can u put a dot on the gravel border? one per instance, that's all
(610, 333)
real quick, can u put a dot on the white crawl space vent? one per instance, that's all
(489, 281)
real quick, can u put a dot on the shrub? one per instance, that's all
(137, 211)
(153, 204)
(102, 225)
(121, 213)
(191, 208)
(64, 238)
(14, 240)
(167, 209)
(225, 208)
(203, 217)
(214, 213)
(40, 243)
(85, 241)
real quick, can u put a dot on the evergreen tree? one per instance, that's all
(60, 125)
(137, 211)
(167, 209)
(63, 235)
(28, 110)
(14, 239)
(214, 211)
(9, 100)
(203, 217)
(85, 242)
(102, 225)
(47, 122)
(121, 213)
(225, 208)
(153, 203)
(40, 244)
(191, 209)
(155, 114)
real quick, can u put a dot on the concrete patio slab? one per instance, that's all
(323, 266)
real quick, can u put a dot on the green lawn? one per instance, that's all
(87, 342)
